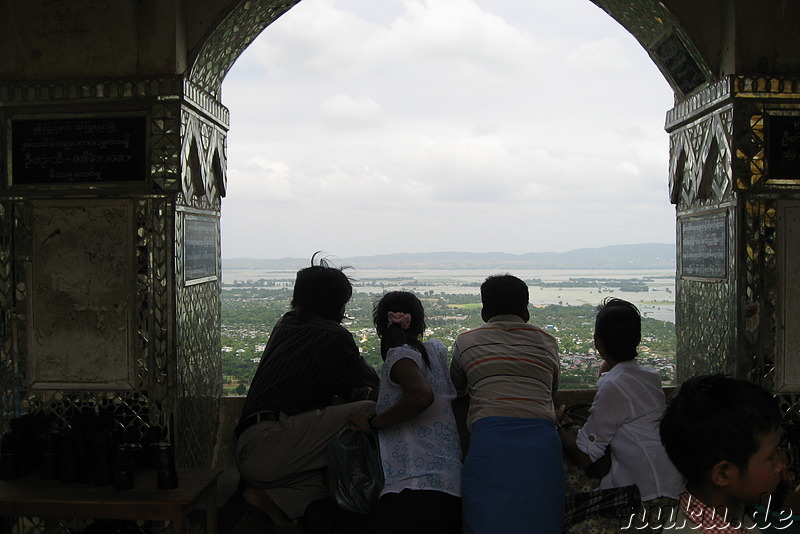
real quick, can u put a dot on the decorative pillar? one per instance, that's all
(110, 255)
(735, 181)
(707, 238)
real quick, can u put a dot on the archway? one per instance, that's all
(571, 157)
(438, 111)
(730, 301)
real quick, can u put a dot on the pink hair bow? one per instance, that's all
(403, 319)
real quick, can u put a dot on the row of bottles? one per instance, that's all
(91, 450)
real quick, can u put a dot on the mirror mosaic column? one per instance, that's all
(735, 182)
(109, 284)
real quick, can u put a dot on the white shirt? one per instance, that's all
(625, 414)
(423, 453)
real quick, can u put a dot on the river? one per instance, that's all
(658, 302)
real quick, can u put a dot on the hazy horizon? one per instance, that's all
(330, 255)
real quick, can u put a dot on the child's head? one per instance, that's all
(399, 302)
(399, 320)
(715, 422)
(618, 327)
(503, 294)
(321, 290)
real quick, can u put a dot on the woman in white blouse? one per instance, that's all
(625, 414)
(417, 432)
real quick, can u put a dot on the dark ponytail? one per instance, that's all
(394, 334)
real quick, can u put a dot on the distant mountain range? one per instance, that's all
(642, 256)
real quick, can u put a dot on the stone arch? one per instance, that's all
(655, 27)
(660, 33)
(179, 93)
(699, 83)
(649, 21)
(230, 38)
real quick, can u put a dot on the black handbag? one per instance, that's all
(355, 474)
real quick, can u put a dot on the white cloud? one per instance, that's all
(607, 55)
(461, 118)
(460, 30)
(261, 178)
(630, 168)
(348, 112)
(313, 36)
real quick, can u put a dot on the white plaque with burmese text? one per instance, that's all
(82, 304)
(787, 364)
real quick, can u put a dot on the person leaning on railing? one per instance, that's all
(513, 478)
(620, 441)
(308, 383)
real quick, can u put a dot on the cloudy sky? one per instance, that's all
(363, 127)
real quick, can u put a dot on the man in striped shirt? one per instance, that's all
(513, 472)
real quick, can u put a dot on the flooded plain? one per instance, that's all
(572, 287)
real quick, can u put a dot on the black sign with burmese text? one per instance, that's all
(784, 147)
(78, 150)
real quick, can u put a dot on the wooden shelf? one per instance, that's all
(33, 497)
